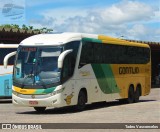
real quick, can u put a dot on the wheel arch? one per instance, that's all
(85, 91)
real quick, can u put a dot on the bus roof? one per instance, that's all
(54, 39)
(62, 38)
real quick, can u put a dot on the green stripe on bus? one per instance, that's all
(45, 91)
(92, 40)
(109, 74)
(105, 78)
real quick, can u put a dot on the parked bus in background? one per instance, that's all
(56, 70)
(6, 74)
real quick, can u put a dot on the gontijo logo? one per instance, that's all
(128, 70)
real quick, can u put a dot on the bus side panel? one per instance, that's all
(109, 82)
(125, 75)
(148, 79)
(6, 85)
(88, 80)
(6, 81)
(106, 81)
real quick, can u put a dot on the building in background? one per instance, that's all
(14, 35)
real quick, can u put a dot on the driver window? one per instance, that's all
(68, 67)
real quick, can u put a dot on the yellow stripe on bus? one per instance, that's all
(23, 91)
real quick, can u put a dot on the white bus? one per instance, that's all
(6, 74)
(56, 70)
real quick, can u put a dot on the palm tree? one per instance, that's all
(49, 30)
(7, 26)
(15, 26)
(43, 30)
(24, 27)
(30, 27)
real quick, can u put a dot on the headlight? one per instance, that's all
(15, 93)
(58, 91)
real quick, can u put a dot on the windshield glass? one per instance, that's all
(37, 66)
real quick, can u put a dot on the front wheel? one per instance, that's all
(40, 109)
(81, 101)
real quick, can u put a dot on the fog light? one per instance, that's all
(54, 93)
(15, 100)
(15, 93)
(57, 92)
(54, 101)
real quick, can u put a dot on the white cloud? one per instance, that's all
(124, 18)
(141, 32)
(63, 14)
(127, 11)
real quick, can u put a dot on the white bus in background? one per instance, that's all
(6, 74)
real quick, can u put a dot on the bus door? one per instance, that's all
(6, 87)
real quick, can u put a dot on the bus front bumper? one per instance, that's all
(38, 101)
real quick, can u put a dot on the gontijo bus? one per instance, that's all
(6, 74)
(56, 70)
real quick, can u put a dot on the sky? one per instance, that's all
(127, 19)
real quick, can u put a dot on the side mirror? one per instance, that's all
(5, 61)
(62, 56)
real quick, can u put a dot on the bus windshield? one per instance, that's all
(37, 66)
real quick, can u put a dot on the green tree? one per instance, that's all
(30, 27)
(15, 26)
(24, 27)
(7, 26)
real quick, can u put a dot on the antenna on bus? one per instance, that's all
(121, 37)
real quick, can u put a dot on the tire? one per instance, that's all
(130, 95)
(137, 94)
(40, 109)
(81, 101)
(123, 101)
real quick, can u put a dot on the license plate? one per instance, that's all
(33, 102)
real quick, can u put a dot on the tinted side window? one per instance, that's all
(113, 54)
(137, 55)
(70, 60)
(4, 52)
(97, 52)
(87, 55)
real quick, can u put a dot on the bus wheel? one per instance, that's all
(40, 109)
(137, 94)
(81, 101)
(130, 95)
